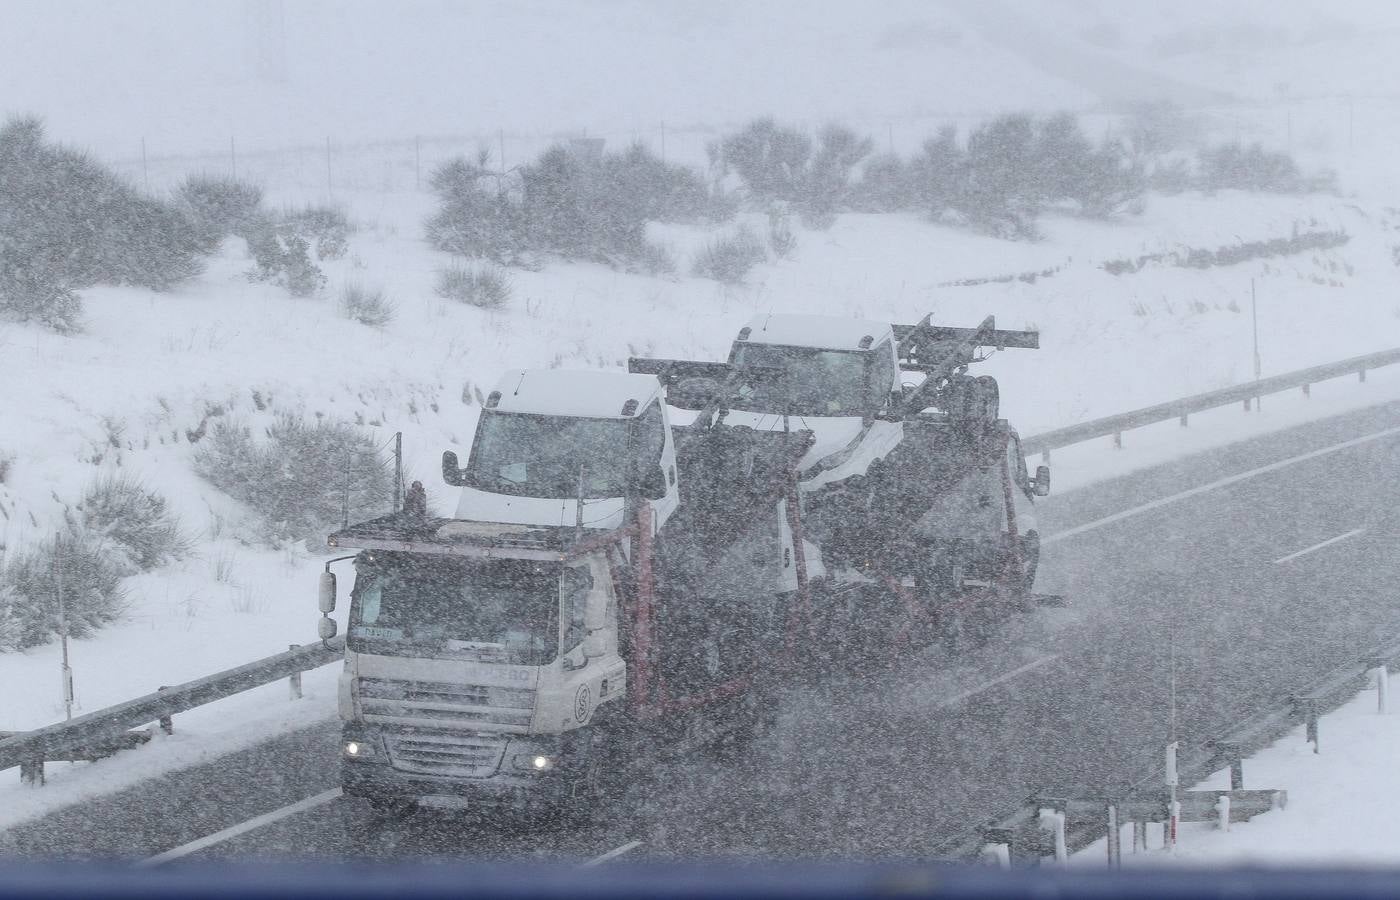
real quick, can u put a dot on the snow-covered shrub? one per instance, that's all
(574, 202)
(654, 259)
(328, 228)
(368, 306)
(67, 223)
(302, 478)
(485, 287)
(1250, 168)
(729, 258)
(220, 205)
(477, 217)
(133, 522)
(780, 164)
(283, 258)
(72, 565)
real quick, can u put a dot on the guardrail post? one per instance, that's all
(1115, 838)
(167, 723)
(996, 846)
(294, 681)
(1306, 709)
(1222, 812)
(1381, 675)
(1361, 374)
(1117, 440)
(31, 772)
(1247, 403)
(1307, 391)
(1183, 420)
(1139, 835)
(1052, 818)
(1045, 456)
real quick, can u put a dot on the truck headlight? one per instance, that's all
(359, 749)
(533, 762)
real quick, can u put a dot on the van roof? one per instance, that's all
(582, 393)
(826, 332)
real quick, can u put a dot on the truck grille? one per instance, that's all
(468, 705)
(465, 756)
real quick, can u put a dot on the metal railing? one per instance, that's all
(1182, 409)
(1019, 829)
(101, 729)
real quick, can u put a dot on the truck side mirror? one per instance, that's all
(1041, 485)
(326, 600)
(451, 473)
(325, 629)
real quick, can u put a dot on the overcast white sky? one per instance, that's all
(187, 75)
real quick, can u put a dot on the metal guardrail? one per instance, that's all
(104, 726)
(1194, 764)
(1181, 409)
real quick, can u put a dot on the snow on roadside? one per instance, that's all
(1341, 806)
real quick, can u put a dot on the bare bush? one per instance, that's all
(368, 306)
(302, 478)
(729, 258)
(134, 522)
(485, 287)
(283, 258)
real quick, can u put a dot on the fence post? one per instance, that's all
(294, 681)
(167, 722)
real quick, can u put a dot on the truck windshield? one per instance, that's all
(548, 456)
(504, 610)
(812, 382)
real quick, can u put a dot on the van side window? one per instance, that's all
(883, 370)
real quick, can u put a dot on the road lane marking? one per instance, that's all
(232, 831)
(614, 853)
(1001, 679)
(1327, 543)
(1219, 483)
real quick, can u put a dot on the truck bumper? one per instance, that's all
(377, 778)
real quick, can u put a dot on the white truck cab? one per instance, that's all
(835, 375)
(558, 447)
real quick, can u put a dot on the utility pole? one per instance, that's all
(330, 191)
(663, 140)
(145, 169)
(501, 139)
(417, 164)
(232, 156)
(1254, 317)
(65, 670)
